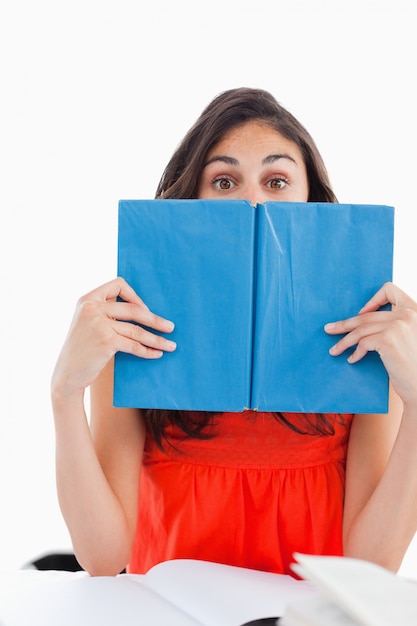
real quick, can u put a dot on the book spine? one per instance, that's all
(256, 209)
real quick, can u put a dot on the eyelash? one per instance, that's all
(218, 179)
(281, 179)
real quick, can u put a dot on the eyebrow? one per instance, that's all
(276, 157)
(223, 159)
(271, 158)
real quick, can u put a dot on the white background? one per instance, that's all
(95, 96)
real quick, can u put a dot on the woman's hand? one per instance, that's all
(393, 334)
(102, 326)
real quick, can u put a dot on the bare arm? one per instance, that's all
(381, 480)
(380, 516)
(98, 463)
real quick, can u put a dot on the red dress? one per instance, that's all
(250, 496)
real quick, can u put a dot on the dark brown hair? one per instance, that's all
(228, 110)
(181, 179)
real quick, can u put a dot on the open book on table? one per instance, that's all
(249, 289)
(352, 592)
(175, 593)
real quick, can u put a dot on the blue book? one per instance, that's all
(249, 289)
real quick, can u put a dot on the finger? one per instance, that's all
(354, 337)
(133, 347)
(116, 288)
(361, 350)
(142, 342)
(129, 312)
(388, 294)
(379, 299)
(342, 327)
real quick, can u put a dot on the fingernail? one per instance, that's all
(329, 326)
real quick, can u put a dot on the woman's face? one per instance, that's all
(254, 162)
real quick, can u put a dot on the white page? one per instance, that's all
(215, 595)
(316, 610)
(221, 595)
(71, 600)
(371, 594)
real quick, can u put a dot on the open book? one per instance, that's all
(249, 289)
(353, 592)
(175, 593)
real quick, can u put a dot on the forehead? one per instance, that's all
(256, 136)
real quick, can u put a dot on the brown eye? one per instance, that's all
(277, 183)
(223, 183)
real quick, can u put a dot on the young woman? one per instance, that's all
(138, 486)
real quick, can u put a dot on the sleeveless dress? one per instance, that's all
(249, 496)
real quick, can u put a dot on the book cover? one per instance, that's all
(249, 289)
